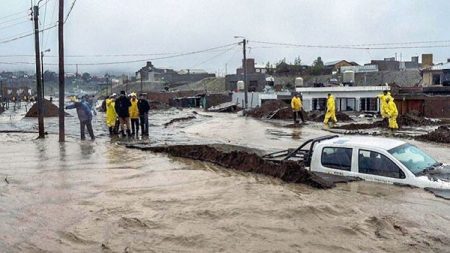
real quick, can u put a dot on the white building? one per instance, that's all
(348, 98)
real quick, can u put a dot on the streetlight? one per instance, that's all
(244, 66)
(42, 71)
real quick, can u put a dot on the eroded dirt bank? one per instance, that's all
(441, 134)
(288, 171)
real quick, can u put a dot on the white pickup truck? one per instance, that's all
(370, 158)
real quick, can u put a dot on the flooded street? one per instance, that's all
(83, 196)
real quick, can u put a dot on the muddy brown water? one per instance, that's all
(101, 197)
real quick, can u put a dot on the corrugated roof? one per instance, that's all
(441, 66)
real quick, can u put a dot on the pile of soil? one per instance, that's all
(178, 120)
(410, 119)
(288, 171)
(441, 134)
(267, 108)
(155, 105)
(319, 116)
(359, 126)
(50, 110)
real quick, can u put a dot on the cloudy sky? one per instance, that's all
(110, 31)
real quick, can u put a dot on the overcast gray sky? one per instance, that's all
(177, 26)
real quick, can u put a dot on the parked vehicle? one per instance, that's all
(370, 158)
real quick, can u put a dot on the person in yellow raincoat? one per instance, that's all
(111, 115)
(296, 105)
(134, 114)
(331, 110)
(392, 113)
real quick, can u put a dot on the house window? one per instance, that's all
(253, 86)
(345, 104)
(374, 163)
(436, 79)
(319, 104)
(337, 158)
(369, 104)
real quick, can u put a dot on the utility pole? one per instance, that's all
(38, 73)
(61, 70)
(244, 66)
(142, 84)
(42, 74)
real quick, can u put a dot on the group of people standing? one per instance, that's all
(127, 114)
(388, 110)
(297, 109)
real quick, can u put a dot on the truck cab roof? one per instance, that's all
(364, 141)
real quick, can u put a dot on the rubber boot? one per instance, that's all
(128, 132)
(111, 131)
(123, 133)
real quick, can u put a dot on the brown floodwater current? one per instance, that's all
(83, 196)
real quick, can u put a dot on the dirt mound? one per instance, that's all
(319, 116)
(50, 110)
(414, 120)
(359, 126)
(268, 108)
(441, 134)
(288, 171)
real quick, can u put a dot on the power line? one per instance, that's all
(15, 24)
(26, 35)
(15, 19)
(53, 15)
(134, 61)
(214, 56)
(14, 14)
(356, 47)
(45, 15)
(70, 10)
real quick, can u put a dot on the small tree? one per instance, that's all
(317, 67)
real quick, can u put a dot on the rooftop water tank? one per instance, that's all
(298, 82)
(240, 85)
(348, 77)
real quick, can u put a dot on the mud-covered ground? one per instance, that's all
(102, 197)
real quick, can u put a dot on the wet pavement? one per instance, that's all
(84, 196)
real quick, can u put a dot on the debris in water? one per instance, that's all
(6, 180)
(441, 134)
(178, 119)
(288, 171)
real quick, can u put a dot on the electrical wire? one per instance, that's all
(43, 22)
(25, 35)
(14, 14)
(53, 15)
(15, 24)
(355, 47)
(70, 11)
(133, 61)
(214, 56)
(15, 19)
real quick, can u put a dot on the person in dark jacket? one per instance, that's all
(143, 107)
(122, 109)
(85, 116)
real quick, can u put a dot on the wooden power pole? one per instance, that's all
(244, 66)
(61, 70)
(38, 73)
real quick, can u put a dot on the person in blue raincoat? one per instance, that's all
(84, 115)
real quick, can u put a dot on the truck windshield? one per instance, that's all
(413, 158)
